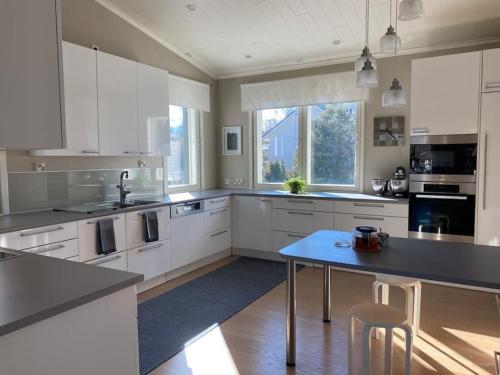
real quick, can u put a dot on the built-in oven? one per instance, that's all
(442, 209)
(444, 155)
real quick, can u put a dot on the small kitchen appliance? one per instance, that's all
(399, 183)
(379, 186)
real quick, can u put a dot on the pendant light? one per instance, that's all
(410, 10)
(391, 38)
(366, 66)
(395, 97)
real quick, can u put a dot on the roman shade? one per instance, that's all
(327, 88)
(188, 93)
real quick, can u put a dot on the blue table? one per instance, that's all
(450, 262)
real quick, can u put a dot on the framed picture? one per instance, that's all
(389, 131)
(231, 140)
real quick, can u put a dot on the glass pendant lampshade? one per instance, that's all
(410, 10)
(390, 41)
(367, 77)
(365, 55)
(395, 97)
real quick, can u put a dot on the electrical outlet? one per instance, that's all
(238, 180)
(141, 164)
(227, 181)
(39, 166)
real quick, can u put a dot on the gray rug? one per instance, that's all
(168, 321)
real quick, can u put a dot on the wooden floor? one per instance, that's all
(460, 329)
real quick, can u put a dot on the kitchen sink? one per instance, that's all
(117, 205)
(106, 206)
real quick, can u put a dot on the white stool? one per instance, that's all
(371, 316)
(413, 290)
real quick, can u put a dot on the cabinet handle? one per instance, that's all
(218, 233)
(131, 152)
(369, 205)
(40, 231)
(265, 200)
(369, 218)
(420, 130)
(146, 153)
(217, 200)
(296, 235)
(484, 168)
(492, 85)
(451, 197)
(301, 213)
(47, 249)
(143, 249)
(97, 220)
(218, 211)
(90, 152)
(300, 201)
(106, 260)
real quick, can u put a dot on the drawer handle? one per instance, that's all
(492, 85)
(217, 200)
(265, 200)
(301, 213)
(97, 220)
(40, 231)
(106, 260)
(218, 233)
(47, 249)
(142, 213)
(369, 205)
(218, 211)
(300, 201)
(369, 218)
(420, 130)
(131, 152)
(296, 235)
(90, 152)
(146, 153)
(143, 249)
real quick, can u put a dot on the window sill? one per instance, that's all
(182, 189)
(314, 188)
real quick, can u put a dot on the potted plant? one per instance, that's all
(295, 185)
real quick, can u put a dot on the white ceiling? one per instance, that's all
(288, 34)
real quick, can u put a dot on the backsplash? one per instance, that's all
(30, 191)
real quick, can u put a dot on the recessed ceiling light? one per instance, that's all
(189, 54)
(191, 7)
(336, 42)
(247, 56)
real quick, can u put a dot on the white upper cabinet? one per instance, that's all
(117, 90)
(491, 70)
(31, 101)
(153, 109)
(445, 93)
(80, 94)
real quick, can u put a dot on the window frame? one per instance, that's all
(305, 152)
(194, 129)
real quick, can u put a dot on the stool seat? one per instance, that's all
(379, 315)
(396, 280)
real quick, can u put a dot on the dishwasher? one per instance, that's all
(187, 233)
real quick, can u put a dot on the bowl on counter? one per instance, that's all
(379, 186)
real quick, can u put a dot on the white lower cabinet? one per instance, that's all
(117, 261)
(300, 221)
(188, 237)
(217, 220)
(87, 236)
(252, 225)
(62, 250)
(28, 238)
(151, 260)
(218, 241)
(135, 226)
(283, 239)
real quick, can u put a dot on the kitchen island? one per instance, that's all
(450, 262)
(62, 317)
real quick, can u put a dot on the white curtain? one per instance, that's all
(328, 88)
(188, 93)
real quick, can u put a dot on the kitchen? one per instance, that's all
(181, 152)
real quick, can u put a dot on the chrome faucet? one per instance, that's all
(123, 187)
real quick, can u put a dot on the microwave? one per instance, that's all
(444, 155)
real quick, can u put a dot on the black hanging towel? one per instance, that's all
(106, 243)
(150, 220)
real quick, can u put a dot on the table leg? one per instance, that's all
(327, 299)
(290, 312)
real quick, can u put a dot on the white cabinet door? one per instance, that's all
(153, 107)
(117, 90)
(217, 220)
(87, 236)
(135, 226)
(283, 239)
(253, 223)
(80, 96)
(188, 240)
(117, 261)
(491, 70)
(488, 202)
(445, 93)
(218, 241)
(61, 250)
(151, 260)
(301, 221)
(395, 226)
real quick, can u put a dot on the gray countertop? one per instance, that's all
(36, 287)
(30, 220)
(450, 262)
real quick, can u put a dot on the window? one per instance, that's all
(320, 143)
(183, 161)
